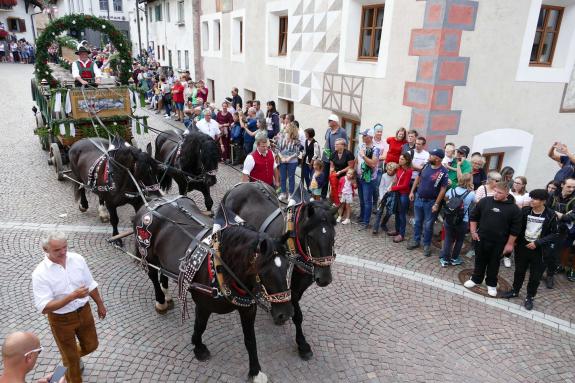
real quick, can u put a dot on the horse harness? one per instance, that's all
(204, 246)
(173, 163)
(94, 173)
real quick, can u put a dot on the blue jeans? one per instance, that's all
(454, 236)
(287, 170)
(376, 193)
(306, 171)
(326, 178)
(401, 215)
(168, 107)
(366, 190)
(248, 146)
(424, 218)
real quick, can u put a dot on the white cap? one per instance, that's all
(333, 117)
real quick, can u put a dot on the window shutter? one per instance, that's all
(21, 25)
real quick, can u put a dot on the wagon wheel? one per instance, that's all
(56, 160)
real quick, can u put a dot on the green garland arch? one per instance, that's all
(81, 21)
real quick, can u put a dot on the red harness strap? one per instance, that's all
(305, 256)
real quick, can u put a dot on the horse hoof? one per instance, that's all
(82, 208)
(305, 355)
(202, 355)
(104, 219)
(162, 308)
(118, 242)
(259, 378)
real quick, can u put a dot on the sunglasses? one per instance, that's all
(38, 350)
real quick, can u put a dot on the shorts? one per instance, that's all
(346, 198)
(179, 105)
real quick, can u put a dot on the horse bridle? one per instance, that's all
(308, 258)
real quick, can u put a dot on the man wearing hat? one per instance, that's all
(333, 133)
(460, 164)
(431, 185)
(367, 169)
(84, 70)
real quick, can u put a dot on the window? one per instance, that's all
(117, 5)
(212, 89)
(241, 36)
(205, 36)
(104, 5)
(170, 58)
(158, 53)
(493, 161)
(249, 95)
(546, 35)
(168, 11)
(217, 35)
(151, 13)
(237, 35)
(163, 53)
(158, 13)
(285, 106)
(181, 12)
(370, 31)
(352, 129)
(16, 25)
(179, 59)
(187, 59)
(283, 33)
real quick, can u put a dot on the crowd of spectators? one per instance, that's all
(15, 50)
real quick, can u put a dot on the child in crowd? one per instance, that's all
(347, 187)
(386, 200)
(317, 180)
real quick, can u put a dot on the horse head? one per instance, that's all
(315, 236)
(145, 170)
(200, 155)
(262, 260)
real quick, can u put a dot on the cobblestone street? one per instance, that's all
(389, 315)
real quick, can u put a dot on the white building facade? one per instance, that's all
(17, 18)
(494, 75)
(170, 32)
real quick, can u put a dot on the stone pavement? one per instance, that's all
(389, 316)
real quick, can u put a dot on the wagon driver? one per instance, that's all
(84, 70)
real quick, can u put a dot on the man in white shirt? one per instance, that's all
(420, 157)
(62, 284)
(260, 165)
(209, 126)
(84, 70)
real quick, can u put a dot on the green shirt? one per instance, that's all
(465, 168)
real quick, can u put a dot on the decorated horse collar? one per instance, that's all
(94, 174)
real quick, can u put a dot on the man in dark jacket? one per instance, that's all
(494, 224)
(537, 236)
(562, 203)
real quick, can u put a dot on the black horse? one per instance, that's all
(169, 230)
(312, 227)
(194, 153)
(106, 174)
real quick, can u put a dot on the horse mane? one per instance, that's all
(238, 246)
(199, 148)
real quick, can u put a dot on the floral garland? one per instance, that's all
(61, 24)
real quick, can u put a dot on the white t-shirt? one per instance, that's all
(249, 164)
(419, 159)
(386, 181)
(534, 227)
(51, 281)
(521, 200)
(211, 128)
(76, 70)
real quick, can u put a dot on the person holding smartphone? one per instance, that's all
(62, 285)
(459, 166)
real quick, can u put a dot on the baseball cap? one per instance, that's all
(333, 117)
(437, 153)
(367, 132)
(463, 149)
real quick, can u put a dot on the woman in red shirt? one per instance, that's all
(395, 144)
(225, 119)
(401, 187)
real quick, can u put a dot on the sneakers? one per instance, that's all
(282, 197)
(510, 294)
(570, 275)
(456, 261)
(444, 262)
(528, 303)
(507, 262)
(412, 245)
(550, 282)
(345, 221)
(398, 238)
(469, 284)
(338, 220)
(362, 227)
(492, 291)
(427, 250)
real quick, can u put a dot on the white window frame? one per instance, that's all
(168, 18)
(208, 34)
(116, 2)
(187, 59)
(348, 47)
(273, 12)
(179, 59)
(564, 56)
(217, 35)
(235, 18)
(181, 13)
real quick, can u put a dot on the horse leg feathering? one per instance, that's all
(103, 213)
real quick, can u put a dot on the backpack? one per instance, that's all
(454, 209)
